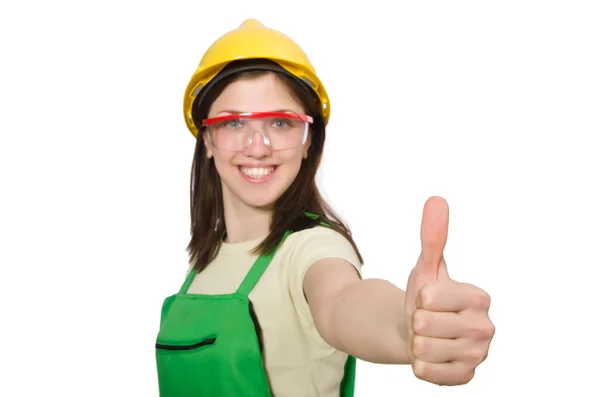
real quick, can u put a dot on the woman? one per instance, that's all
(274, 303)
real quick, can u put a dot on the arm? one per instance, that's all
(364, 318)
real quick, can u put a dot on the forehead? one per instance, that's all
(255, 94)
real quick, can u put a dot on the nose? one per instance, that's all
(258, 145)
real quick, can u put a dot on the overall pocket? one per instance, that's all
(169, 346)
(184, 367)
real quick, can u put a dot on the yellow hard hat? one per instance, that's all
(252, 40)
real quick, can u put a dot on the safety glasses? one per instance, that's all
(279, 130)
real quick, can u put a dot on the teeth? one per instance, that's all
(257, 172)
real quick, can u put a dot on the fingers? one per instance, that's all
(446, 325)
(446, 374)
(447, 361)
(452, 296)
(435, 350)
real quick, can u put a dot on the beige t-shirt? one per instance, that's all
(298, 362)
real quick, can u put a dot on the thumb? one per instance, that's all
(434, 234)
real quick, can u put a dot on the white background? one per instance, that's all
(493, 105)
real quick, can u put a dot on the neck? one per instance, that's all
(243, 222)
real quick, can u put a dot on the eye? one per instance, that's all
(281, 123)
(235, 123)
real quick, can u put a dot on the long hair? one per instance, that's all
(206, 196)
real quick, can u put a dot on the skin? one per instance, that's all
(439, 326)
(248, 206)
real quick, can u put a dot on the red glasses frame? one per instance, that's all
(256, 115)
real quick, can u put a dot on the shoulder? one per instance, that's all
(317, 236)
(315, 233)
(305, 247)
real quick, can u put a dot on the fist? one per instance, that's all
(447, 323)
(451, 332)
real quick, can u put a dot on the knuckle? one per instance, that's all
(488, 331)
(462, 378)
(482, 300)
(474, 357)
(467, 377)
(419, 321)
(419, 347)
(426, 295)
(479, 333)
(483, 330)
(420, 369)
(483, 356)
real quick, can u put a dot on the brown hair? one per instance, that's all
(206, 206)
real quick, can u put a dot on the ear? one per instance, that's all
(306, 146)
(205, 139)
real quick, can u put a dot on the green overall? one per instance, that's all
(208, 345)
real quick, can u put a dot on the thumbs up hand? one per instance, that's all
(447, 324)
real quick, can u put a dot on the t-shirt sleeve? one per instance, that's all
(310, 246)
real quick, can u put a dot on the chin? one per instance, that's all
(260, 200)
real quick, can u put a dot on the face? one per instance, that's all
(258, 176)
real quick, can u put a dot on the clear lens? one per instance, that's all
(279, 133)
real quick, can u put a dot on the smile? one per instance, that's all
(257, 173)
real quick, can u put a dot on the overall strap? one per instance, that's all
(257, 270)
(312, 216)
(188, 281)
